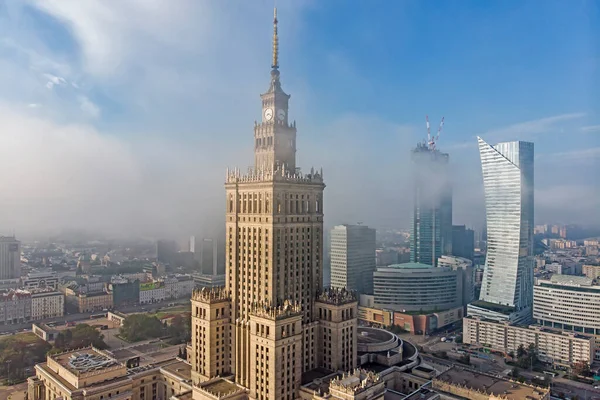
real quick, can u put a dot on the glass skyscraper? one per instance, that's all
(507, 285)
(431, 233)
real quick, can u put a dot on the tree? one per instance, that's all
(521, 351)
(141, 326)
(180, 329)
(582, 368)
(82, 335)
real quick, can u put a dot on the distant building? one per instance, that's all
(431, 233)
(10, 257)
(418, 287)
(208, 256)
(152, 292)
(558, 348)
(192, 244)
(385, 257)
(591, 271)
(15, 307)
(507, 286)
(166, 250)
(179, 286)
(40, 279)
(209, 281)
(97, 301)
(353, 257)
(463, 242)
(466, 272)
(47, 303)
(125, 291)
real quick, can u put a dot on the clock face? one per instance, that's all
(280, 114)
(269, 114)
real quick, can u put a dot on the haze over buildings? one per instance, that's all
(68, 102)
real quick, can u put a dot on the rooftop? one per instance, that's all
(493, 306)
(488, 384)
(181, 369)
(410, 265)
(571, 280)
(220, 386)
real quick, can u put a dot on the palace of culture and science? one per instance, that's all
(273, 321)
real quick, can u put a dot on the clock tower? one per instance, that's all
(275, 136)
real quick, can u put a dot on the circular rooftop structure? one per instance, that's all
(374, 340)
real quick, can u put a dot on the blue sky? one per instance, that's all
(148, 102)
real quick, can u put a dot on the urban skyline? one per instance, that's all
(88, 99)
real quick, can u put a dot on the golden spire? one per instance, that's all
(275, 42)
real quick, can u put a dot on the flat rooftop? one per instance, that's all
(490, 384)
(371, 336)
(222, 386)
(84, 360)
(180, 369)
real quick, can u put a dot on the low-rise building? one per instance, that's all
(40, 279)
(179, 286)
(465, 383)
(15, 307)
(559, 348)
(91, 374)
(98, 301)
(152, 292)
(47, 303)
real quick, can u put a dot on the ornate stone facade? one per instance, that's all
(272, 322)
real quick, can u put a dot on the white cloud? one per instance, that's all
(591, 128)
(88, 107)
(54, 80)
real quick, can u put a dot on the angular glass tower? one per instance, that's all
(431, 233)
(507, 285)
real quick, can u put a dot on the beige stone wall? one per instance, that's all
(211, 336)
(338, 335)
(276, 357)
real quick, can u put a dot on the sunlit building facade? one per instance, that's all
(507, 284)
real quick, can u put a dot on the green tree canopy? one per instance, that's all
(140, 327)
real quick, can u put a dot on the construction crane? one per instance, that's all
(431, 141)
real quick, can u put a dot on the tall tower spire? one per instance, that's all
(275, 64)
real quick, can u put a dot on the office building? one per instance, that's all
(464, 268)
(166, 251)
(273, 321)
(208, 257)
(10, 257)
(40, 279)
(507, 285)
(463, 242)
(558, 348)
(418, 287)
(566, 302)
(431, 233)
(192, 244)
(353, 257)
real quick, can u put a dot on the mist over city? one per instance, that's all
(129, 131)
(216, 199)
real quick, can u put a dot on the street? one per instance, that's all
(83, 316)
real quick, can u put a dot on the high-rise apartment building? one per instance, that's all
(507, 285)
(431, 235)
(272, 321)
(353, 258)
(10, 257)
(463, 242)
